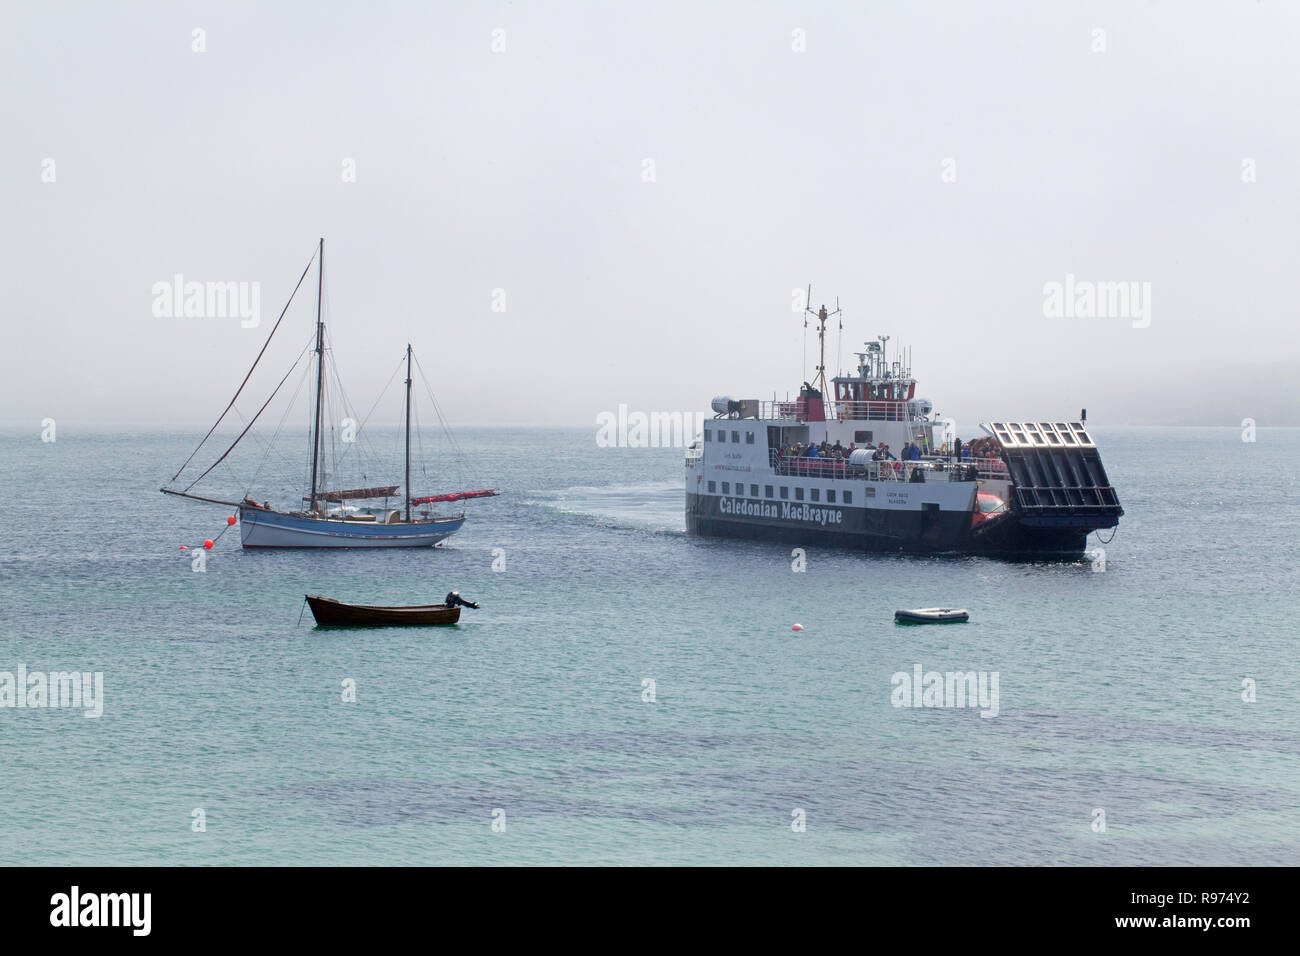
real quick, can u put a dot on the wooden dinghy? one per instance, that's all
(331, 613)
(932, 615)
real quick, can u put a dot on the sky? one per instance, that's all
(567, 207)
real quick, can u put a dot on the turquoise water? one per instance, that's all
(1119, 690)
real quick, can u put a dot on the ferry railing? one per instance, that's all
(875, 411)
(779, 411)
(792, 410)
(903, 471)
(989, 467)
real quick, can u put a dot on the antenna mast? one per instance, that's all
(821, 315)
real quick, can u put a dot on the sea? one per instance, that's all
(628, 694)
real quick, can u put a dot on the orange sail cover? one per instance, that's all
(453, 496)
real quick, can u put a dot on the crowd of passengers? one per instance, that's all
(828, 459)
(837, 451)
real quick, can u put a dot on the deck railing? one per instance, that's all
(792, 410)
(906, 471)
(869, 411)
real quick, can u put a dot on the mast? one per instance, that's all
(821, 315)
(320, 375)
(408, 432)
(821, 344)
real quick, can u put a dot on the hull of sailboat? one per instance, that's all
(270, 529)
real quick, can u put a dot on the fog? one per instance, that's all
(565, 207)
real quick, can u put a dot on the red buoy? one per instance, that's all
(208, 543)
(230, 520)
(185, 547)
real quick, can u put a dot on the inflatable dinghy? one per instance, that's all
(932, 615)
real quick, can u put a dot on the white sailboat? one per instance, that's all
(326, 520)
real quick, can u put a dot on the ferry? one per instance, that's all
(862, 463)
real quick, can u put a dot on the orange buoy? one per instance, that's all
(230, 520)
(185, 547)
(208, 543)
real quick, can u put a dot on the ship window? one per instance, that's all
(830, 496)
(708, 434)
(722, 436)
(753, 491)
(871, 492)
(816, 494)
(798, 494)
(749, 438)
(861, 437)
(735, 437)
(713, 486)
(726, 487)
(785, 492)
(767, 491)
(848, 497)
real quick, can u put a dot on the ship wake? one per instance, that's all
(655, 507)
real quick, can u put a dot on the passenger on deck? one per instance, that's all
(965, 452)
(837, 449)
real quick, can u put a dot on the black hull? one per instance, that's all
(861, 529)
(331, 613)
(881, 530)
(1012, 535)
